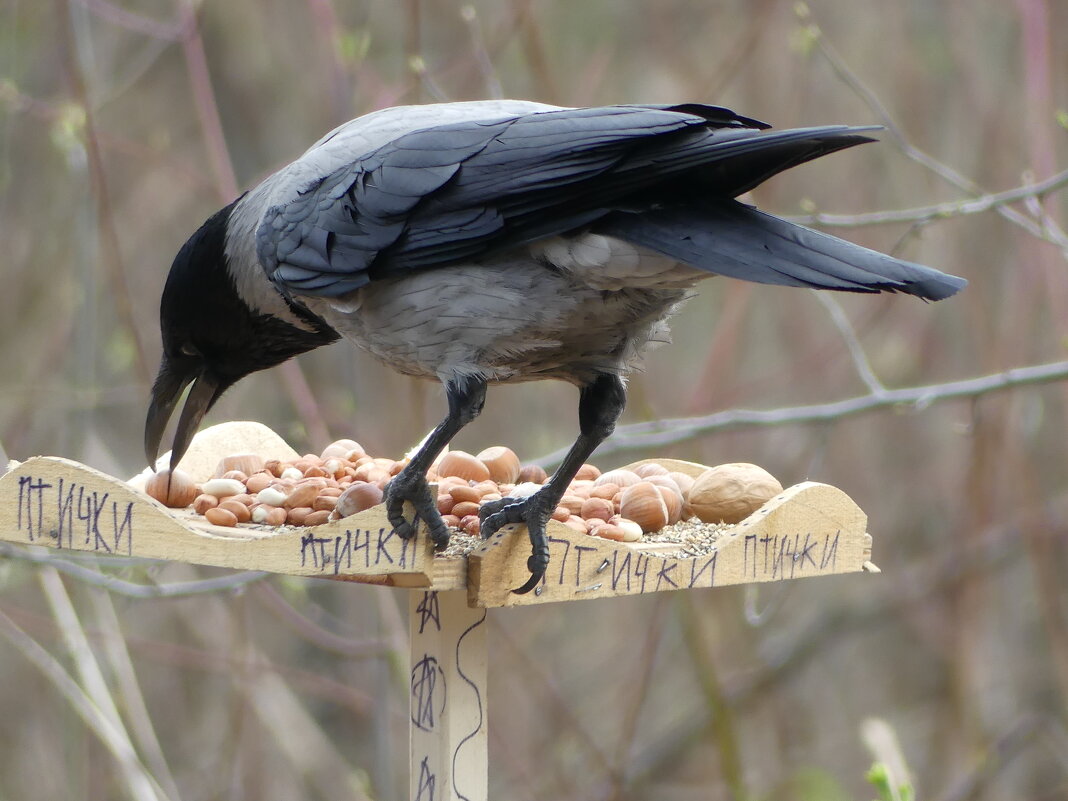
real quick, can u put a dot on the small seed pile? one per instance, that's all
(620, 505)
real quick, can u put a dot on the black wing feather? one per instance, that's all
(520, 178)
(458, 192)
(732, 239)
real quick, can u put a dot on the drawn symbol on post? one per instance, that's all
(428, 692)
(427, 782)
(429, 610)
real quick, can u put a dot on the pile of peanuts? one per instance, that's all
(343, 480)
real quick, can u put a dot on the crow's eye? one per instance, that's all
(189, 349)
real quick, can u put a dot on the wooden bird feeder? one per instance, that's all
(808, 530)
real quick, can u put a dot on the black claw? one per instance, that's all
(416, 491)
(493, 515)
(531, 583)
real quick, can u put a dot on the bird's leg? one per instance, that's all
(466, 397)
(600, 404)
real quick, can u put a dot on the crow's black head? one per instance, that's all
(212, 338)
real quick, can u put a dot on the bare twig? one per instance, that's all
(110, 252)
(43, 556)
(91, 679)
(207, 109)
(672, 431)
(469, 15)
(1046, 229)
(316, 634)
(133, 21)
(128, 689)
(921, 214)
(856, 350)
(144, 787)
(720, 711)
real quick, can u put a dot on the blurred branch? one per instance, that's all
(144, 787)
(42, 556)
(937, 211)
(993, 550)
(852, 341)
(111, 255)
(128, 690)
(207, 109)
(469, 15)
(91, 678)
(995, 758)
(680, 429)
(134, 21)
(720, 711)
(316, 634)
(1046, 228)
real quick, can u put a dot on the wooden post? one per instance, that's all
(448, 698)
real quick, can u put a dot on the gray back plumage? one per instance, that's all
(423, 187)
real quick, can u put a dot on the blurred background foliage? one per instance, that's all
(123, 125)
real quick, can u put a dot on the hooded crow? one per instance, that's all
(495, 241)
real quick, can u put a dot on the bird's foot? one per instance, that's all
(414, 489)
(535, 512)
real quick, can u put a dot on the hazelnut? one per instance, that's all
(682, 481)
(621, 478)
(462, 465)
(358, 497)
(501, 462)
(643, 503)
(532, 473)
(343, 449)
(587, 472)
(596, 507)
(175, 490)
(247, 463)
(606, 491)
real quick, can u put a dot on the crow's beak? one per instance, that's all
(165, 395)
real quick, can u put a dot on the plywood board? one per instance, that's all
(59, 503)
(808, 530)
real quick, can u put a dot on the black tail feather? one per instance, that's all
(732, 239)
